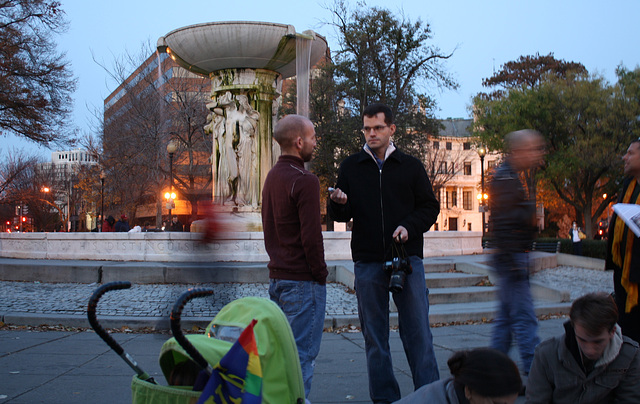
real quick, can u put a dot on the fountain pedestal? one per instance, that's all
(246, 62)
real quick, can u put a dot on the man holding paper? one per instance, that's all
(623, 249)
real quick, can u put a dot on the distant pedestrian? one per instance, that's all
(109, 225)
(122, 225)
(176, 225)
(293, 239)
(623, 249)
(576, 237)
(513, 227)
(481, 375)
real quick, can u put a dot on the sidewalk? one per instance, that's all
(78, 367)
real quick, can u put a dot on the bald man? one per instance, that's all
(293, 239)
(512, 226)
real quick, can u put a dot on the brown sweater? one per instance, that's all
(291, 222)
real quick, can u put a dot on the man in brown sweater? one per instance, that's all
(293, 239)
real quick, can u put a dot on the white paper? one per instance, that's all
(630, 214)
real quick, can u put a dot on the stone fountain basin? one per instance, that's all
(208, 47)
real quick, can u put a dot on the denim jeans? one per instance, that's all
(516, 316)
(304, 303)
(372, 291)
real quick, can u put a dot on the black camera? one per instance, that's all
(399, 267)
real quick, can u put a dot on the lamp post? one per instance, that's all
(171, 148)
(102, 177)
(482, 197)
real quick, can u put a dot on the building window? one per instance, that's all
(467, 168)
(452, 199)
(467, 200)
(436, 145)
(443, 167)
(466, 145)
(449, 146)
(469, 226)
(435, 228)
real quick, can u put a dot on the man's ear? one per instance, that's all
(298, 142)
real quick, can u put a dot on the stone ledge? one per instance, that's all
(186, 247)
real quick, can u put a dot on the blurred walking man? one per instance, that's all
(513, 227)
(293, 239)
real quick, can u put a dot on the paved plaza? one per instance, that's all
(78, 367)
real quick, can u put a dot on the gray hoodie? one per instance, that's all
(556, 376)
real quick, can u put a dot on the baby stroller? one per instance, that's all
(184, 360)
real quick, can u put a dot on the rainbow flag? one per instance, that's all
(237, 378)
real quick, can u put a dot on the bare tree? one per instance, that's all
(152, 108)
(35, 80)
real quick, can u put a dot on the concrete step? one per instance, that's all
(453, 279)
(485, 311)
(439, 267)
(462, 294)
(463, 312)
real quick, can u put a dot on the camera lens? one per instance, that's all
(396, 283)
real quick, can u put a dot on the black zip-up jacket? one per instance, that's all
(380, 200)
(512, 221)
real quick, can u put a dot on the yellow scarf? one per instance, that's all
(622, 231)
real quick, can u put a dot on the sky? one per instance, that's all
(483, 35)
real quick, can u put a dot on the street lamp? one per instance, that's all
(482, 197)
(102, 177)
(172, 146)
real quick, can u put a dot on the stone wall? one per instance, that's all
(186, 247)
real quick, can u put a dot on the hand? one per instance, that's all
(338, 196)
(401, 234)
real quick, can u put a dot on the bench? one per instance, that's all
(550, 247)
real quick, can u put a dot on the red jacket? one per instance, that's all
(291, 222)
(106, 227)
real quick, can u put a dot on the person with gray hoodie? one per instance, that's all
(591, 363)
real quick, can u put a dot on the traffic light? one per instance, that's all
(24, 218)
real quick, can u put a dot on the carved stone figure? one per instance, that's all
(247, 157)
(227, 165)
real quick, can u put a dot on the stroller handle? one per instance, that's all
(93, 320)
(91, 312)
(176, 329)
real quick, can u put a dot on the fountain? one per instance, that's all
(246, 62)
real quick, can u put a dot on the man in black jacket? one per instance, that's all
(388, 195)
(512, 226)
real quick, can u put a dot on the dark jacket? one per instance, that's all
(630, 322)
(380, 200)
(558, 376)
(122, 226)
(177, 226)
(512, 221)
(291, 222)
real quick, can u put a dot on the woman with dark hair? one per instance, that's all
(109, 225)
(478, 376)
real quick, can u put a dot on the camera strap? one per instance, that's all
(398, 251)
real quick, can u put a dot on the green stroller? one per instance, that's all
(186, 361)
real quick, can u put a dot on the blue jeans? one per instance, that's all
(304, 303)
(516, 316)
(372, 291)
